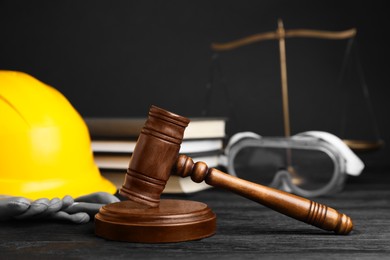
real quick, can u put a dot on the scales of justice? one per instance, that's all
(146, 218)
(281, 34)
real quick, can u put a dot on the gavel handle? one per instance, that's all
(288, 204)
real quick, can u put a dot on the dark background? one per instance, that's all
(116, 58)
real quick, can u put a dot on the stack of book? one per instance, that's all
(114, 140)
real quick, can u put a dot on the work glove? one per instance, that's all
(79, 210)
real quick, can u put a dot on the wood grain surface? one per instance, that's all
(245, 230)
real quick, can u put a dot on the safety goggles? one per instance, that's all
(309, 164)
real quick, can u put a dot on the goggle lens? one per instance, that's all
(307, 169)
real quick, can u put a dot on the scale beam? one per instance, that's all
(276, 35)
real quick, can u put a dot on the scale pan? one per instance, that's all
(363, 145)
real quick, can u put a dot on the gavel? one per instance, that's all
(144, 217)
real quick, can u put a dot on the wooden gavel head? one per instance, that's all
(143, 217)
(156, 152)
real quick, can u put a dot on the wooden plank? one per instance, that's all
(245, 229)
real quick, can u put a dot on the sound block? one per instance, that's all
(171, 221)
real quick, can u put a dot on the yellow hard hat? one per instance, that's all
(45, 147)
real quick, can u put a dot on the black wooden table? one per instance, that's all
(245, 230)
